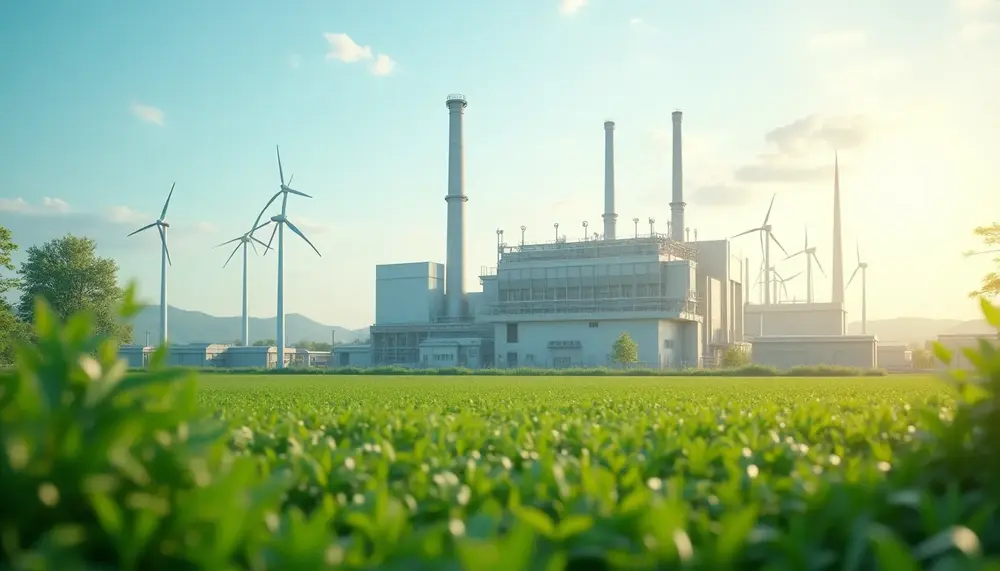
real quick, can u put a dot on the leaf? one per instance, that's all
(573, 525)
(960, 538)
(536, 519)
(890, 552)
(990, 312)
(941, 352)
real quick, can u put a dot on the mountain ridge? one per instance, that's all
(919, 329)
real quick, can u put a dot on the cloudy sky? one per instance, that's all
(110, 103)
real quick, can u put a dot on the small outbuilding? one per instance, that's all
(351, 356)
(787, 351)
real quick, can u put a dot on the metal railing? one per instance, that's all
(620, 305)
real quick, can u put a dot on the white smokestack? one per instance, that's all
(609, 181)
(677, 202)
(456, 199)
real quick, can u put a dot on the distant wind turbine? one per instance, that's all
(162, 225)
(247, 238)
(280, 221)
(781, 282)
(810, 256)
(863, 268)
(766, 236)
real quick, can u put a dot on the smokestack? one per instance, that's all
(609, 180)
(677, 204)
(456, 199)
(838, 251)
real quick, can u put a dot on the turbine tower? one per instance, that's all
(863, 268)
(810, 256)
(162, 225)
(765, 245)
(838, 249)
(247, 238)
(280, 221)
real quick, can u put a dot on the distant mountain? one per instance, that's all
(197, 327)
(918, 329)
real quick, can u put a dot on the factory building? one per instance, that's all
(561, 304)
(203, 355)
(957, 343)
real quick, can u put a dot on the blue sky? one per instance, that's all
(110, 103)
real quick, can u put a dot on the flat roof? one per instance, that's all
(813, 339)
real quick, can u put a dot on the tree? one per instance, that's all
(734, 358)
(68, 273)
(625, 351)
(922, 358)
(11, 329)
(990, 286)
(264, 343)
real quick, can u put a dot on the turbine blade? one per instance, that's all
(254, 246)
(303, 236)
(784, 288)
(268, 245)
(231, 255)
(778, 243)
(290, 179)
(167, 203)
(298, 192)
(229, 242)
(147, 227)
(795, 254)
(815, 257)
(858, 246)
(768, 215)
(256, 223)
(807, 238)
(747, 232)
(852, 277)
(793, 276)
(254, 239)
(163, 239)
(281, 173)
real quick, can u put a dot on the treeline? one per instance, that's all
(321, 346)
(68, 273)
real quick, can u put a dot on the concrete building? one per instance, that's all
(794, 319)
(786, 351)
(719, 279)
(351, 356)
(895, 357)
(137, 356)
(956, 343)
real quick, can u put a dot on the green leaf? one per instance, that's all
(536, 519)
(941, 352)
(990, 312)
(890, 552)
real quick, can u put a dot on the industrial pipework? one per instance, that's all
(609, 181)
(456, 199)
(677, 202)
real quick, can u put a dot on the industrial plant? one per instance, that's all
(562, 303)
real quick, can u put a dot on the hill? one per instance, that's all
(197, 327)
(918, 329)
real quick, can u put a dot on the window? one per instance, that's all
(529, 358)
(592, 325)
(512, 333)
(561, 362)
(668, 343)
(473, 352)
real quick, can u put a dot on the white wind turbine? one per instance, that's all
(810, 256)
(779, 282)
(162, 226)
(247, 238)
(863, 268)
(765, 245)
(280, 221)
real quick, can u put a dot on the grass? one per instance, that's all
(101, 468)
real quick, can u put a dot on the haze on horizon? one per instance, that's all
(113, 102)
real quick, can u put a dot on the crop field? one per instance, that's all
(594, 472)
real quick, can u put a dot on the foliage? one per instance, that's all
(922, 359)
(625, 351)
(264, 343)
(394, 370)
(68, 273)
(321, 346)
(734, 358)
(990, 285)
(100, 469)
(11, 329)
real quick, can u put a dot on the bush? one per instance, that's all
(102, 469)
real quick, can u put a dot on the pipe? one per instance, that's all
(609, 181)
(677, 202)
(456, 199)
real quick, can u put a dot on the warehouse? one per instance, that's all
(785, 351)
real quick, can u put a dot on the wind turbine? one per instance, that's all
(765, 245)
(280, 221)
(863, 268)
(247, 238)
(161, 225)
(780, 282)
(810, 256)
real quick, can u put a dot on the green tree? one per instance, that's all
(922, 358)
(733, 358)
(71, 277)
(625, 351)
(990, 286)
(264, 343)
(11, 329)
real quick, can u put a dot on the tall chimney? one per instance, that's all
(677, 204)
(456, 199)
(609, 180)
(838, 250)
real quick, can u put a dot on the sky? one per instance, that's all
(112, 102)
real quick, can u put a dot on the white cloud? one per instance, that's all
(976, 31)
(570, 7)
(310, 227)
(205, 227)
(384, 65)
(48, 205)
(635, 21)
(125, 215)
(344, 49)
(148, 113)
(841, 40)
(295, 61)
